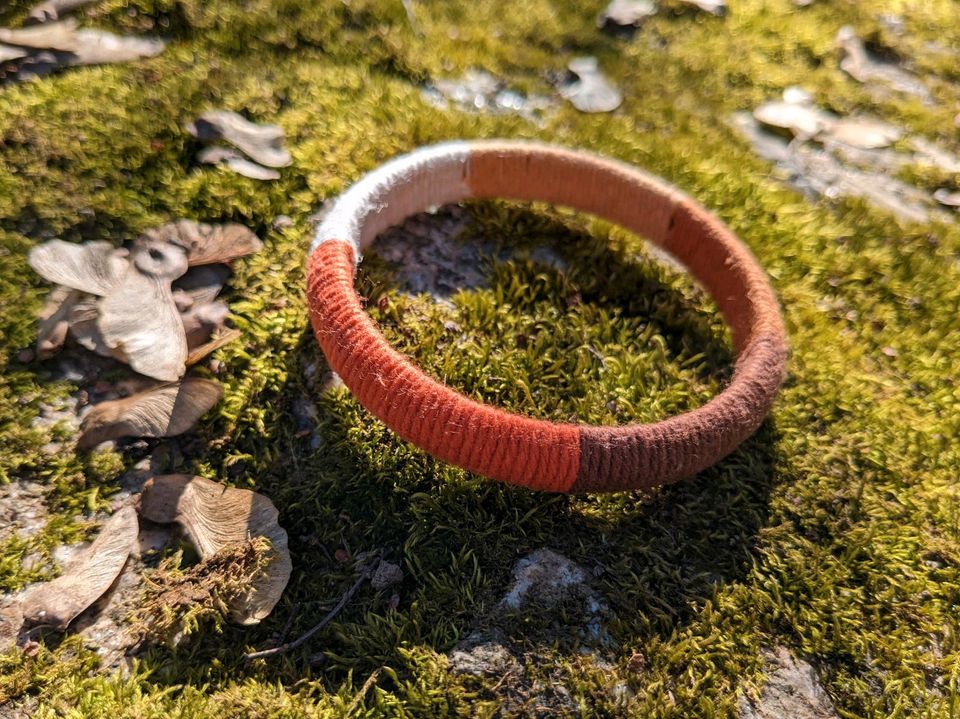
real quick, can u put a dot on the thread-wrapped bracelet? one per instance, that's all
(512, 448)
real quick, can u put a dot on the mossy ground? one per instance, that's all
(834, 531)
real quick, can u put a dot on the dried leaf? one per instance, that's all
(947, 198)
(200, 322)
(55, 320)
(214, 517)
(54, 9)
(714, 7)
(93, 267)
(139, 318)
(200, 285)
(72, 46)
(58, 602)
(591, 91)
(252, 170)
(261, 143)
(865, 133)
(84, 329)
(205, 243)
(626, 14)
(793, 119)
(163, 411)
(864, 66)
(223, 339)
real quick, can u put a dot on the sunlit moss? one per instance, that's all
(834, 531)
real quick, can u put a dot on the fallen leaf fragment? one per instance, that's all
(200, 285)
(261, 143)
(214, 517)
(167, 410)
(626, 14)
(206, 243)
(54, 9)
(793, 118)
(93, 267)
(947, 198)
(201, 322)
(55, 320)
(714, 7)
(84, 329)
(58, 602)
(591, 91)
(233, 160)
(62, 44)
(863, 66)
(139, 317)
(864, 133)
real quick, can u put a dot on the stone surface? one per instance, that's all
(792, 691)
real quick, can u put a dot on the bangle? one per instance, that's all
(512, 448)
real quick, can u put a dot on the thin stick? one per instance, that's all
(363, 692)
(320, 625)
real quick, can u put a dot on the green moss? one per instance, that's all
(834, 531)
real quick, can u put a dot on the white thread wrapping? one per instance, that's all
(408, 184)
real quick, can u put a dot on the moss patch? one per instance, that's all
(834, 531)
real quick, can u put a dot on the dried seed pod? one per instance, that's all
(139, 317)
(214, 517)
(58, 602)
(93, 267)
(55, 320)
(200, 285)
(205, 243)
(261, 143)
(163, 411)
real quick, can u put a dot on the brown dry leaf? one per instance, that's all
(139, 317)
(58, 602)
(201, 322)
(54, 9)
(163, 411)
(223, 339)
(214, 517)
(793, 119)
(261, 143)
(93, 267)
(83, 328)
(626, 14)
(591, 91)
(864, 132)
(200, 285)
(205, 243)
(55, 320)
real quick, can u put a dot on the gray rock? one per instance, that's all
(792, 691)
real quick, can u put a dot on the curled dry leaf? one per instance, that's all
(164, 411)
(58, 602)
(864, 133)
(626, 14)
(200, 322)
(93, 267)
(54, 9)
(261, 143)
(61, 44)
(199, 286)
(793, 118)
(214, 517)
(947, 198)
(591, 91)
(55, 320)
(84, 329)
(714, 7)
(139, 317)
(865, 67)
(205, 243)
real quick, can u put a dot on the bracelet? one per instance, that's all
(512, 448)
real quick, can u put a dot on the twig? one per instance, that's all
(286, 627)
(371, 680)
(348, 595)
